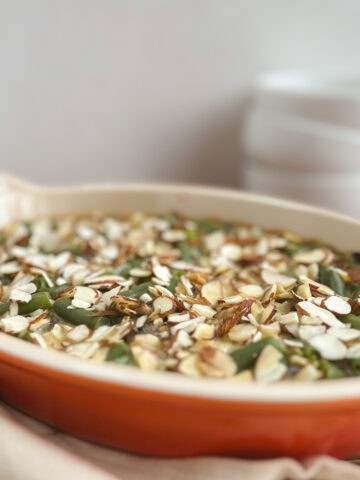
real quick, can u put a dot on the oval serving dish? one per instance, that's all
(167, 414)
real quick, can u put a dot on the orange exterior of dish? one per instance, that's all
(154, 423)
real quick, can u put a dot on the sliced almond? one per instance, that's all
(328, 346)
(354, 351)
(326, 316)
(317, 255)
(189, 366)
(212, 291)
(189, 326)
(308, 331)
(242, 333)
(308, 373)
(14, 325)
(344, 334)
(231, 251)
(147, 340)
(203, 310)
(215, 363)
(204, 332)
(337, 305)
(84, 297)
(288, 318)
(268, 367)
(164, 305)
(252, 291)
(146, 359)
(78, 334)
(271, 278)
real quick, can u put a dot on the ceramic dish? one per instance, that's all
(163, 413)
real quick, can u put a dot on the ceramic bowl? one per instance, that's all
(167, 414)
(286, 140)
(338, 191)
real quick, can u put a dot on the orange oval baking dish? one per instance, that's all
(163, 413)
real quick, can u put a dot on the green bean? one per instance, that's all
(38, 300)
(77, 316)
(138, 290)
(331, 371)
(192, 235)
(120, 354)
(352, 289)
(57, 290)
(331, 278)
(245, 357)
(354, 320)
(207, 226)
(129, 265)
(174, 280)
(4, 307)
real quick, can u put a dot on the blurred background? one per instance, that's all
(158, 90)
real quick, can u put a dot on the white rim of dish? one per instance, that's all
(170, 382)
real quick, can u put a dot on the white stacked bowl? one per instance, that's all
(301, 140)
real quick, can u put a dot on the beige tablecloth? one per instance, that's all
(33, 451)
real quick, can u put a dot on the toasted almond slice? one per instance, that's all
(344, 334)
(232, 300)
(271, 278)
(231, 251)
(308, 331)
(164, 305)
(86, 296)
(308, 374)
(147, 340)
(189, 366)
(83, 350)
(317, 255)
(189, 326)
(146, 359)
(354, 351)
(325, 316)
(183, 339)
(214, 240)
(251, 290)
(270, 329)
(269, 294)
(204, 332)
(303, 292)
(288, 318)
(203, 310)
(337, 305)
(140, 272)
(316, 288)
(215, 363)
(163, 273)
(241, 333)
(268, 367)
(212, 291)
(18, 295)
(145, 298)
(290, 342)
(329, 347)
(178, 317)
(78, 334)
(293, 329)
(109, 252)
(140, 322)
(14, 324)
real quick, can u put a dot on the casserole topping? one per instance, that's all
(198, 297)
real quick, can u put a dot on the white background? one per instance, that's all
(150, 89)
